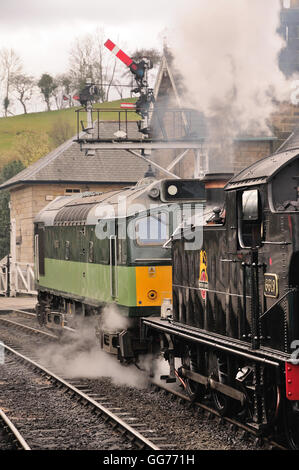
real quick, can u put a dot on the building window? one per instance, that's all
(71, 191)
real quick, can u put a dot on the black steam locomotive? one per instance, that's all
(233, 334)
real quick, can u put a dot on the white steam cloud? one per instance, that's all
(79, 354)
(112, 320)
(227, 52)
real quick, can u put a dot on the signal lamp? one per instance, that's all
(172, 190)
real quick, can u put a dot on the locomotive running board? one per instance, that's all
(201, 337)
(213, 384)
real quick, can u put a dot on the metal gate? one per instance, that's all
(3, 277)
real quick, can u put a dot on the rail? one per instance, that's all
(13, 431)
(142, 441)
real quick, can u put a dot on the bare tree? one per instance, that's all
(82, 61)
(10, 65)
(23, 85)
(119, 88)
(89, 60)
(152, 54)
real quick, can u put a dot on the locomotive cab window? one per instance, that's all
(250, 219)
(152, 230)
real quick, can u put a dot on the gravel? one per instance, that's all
(181, 426)
(49, 419)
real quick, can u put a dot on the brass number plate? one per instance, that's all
(271, 285)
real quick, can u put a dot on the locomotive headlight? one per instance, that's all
(182, 190)
(152, 295)
(172, 190)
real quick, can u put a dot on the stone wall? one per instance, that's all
(21, 209)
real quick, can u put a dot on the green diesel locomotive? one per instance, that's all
(99, 249)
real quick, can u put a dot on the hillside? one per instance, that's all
(12, 127)
(43, 121)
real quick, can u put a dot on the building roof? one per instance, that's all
(68, 164)
(85, 208)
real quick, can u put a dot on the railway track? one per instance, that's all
(12, 432)
(133, 433)
(212, 414)
(246, 432)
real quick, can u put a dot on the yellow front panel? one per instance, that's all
(153, 284)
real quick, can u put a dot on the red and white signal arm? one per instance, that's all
(121, 55)
(128, 105)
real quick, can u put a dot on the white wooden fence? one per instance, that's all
(23, 274)
(21, 278)
(3, 277)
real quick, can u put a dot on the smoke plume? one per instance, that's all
(227, 52)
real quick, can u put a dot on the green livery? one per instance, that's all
(90, 282)
(98, 249)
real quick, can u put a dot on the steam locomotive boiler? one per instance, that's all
(233, 335)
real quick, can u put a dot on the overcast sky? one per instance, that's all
(42, 31)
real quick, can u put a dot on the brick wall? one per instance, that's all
(248, 152)
(27, 201)
(285, 120)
